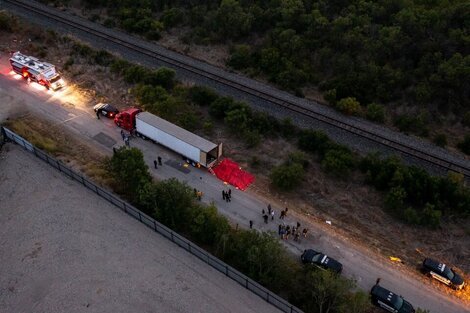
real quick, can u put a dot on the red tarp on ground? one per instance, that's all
(230, 172)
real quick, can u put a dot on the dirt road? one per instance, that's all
(358, 262)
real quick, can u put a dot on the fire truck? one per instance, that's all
(36, 71)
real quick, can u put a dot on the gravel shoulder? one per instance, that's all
(64, 249)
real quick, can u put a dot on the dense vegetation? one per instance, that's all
(259, 255)
(407, 51)
(410, 193)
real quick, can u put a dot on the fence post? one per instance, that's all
(155, 225)
(246, 283)
(125, 207)
(267, 297)
(226, 270)
(140, 217)
(83, 180)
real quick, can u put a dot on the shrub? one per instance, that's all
(464, 145)
(338, 162)
(349, 106)
(190, 121)
(411, 216)
(431, 217)
(208, 127)
(314, 141)
(287, 176)
(118, 66)
(440, 140)
(466, 119)
(220, 106)
(287, 128)
(172, 17)
(395, 199)
(375, 112)
(164, 77)
(202, 95)
(298, 157)
(103, 58)
(330, 96)
(7, 22)
(414, 124)
(240, 57)
(252, 138)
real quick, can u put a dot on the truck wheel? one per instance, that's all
(143, 137)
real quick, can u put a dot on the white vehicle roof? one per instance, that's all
(38, 67)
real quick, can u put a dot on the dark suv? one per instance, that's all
(443, 273)
(321, 260)
(389, 301)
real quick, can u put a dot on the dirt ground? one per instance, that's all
(355, 208)
(65, 249)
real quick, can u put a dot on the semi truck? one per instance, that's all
(194, 149)
(36, 71)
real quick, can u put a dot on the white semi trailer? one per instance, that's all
(195, 149)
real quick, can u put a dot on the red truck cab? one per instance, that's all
(126, 119)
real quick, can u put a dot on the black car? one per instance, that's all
(321, 260)
(443, 273)
(389, 301)
(106, 109)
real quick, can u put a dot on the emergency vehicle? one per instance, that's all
(36, 71)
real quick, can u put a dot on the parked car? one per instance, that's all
(321, 260)
(106, 109)
(443, 273)
(389, 301)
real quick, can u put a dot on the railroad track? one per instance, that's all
(408, 150)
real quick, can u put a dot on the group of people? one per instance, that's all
(227, 195)
(155, 163)
(285, 231)
(269, 213)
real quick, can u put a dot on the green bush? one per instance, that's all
(375, 112)
(240, 57)
(202, 95)
(220, 107)
(395, 199)
(431, 217)
(103, 58)
(349, 106)
(164, 77)
(413, 124)
(440, 140)
(172, 17)
(189, 121)
(338, 162)
(330, 96)
(252, 138)
(7, 22)
(237, 119)
(287, 176)
(411, 216)
(314, 141)
(464, 145)
(466, 119)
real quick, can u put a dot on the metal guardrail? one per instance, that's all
(184, 243)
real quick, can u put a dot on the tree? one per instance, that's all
(128, 168)
(231, 21)
(237, 119)
(206, 225)
(173, 202)
(220, 106)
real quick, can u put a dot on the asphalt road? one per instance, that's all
(359, 263)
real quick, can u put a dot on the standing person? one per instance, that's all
(269, 208)
(251, 224)
(265, 216)
(227, 198)
(304, 232)
(155, 164)
(285, 212)
(199, 195)
(230, 193)
(223, 195)
(159, 160)
(262, 212)
(122, 134)
(272, 215)
(98, 112)
(297, 236)
(126, 141)
(298, 225)
(283, 232)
